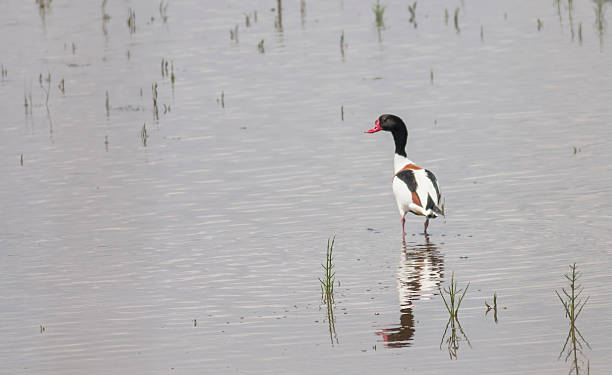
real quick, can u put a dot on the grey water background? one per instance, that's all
(199, 251)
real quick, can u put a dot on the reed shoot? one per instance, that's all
(379, 13)
(573, 303)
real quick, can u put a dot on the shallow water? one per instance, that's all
(200, 252)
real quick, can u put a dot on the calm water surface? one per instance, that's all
(197, 247)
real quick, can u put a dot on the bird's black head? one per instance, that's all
(396, 126)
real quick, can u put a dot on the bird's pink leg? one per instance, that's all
(403, 231)
(426, 225)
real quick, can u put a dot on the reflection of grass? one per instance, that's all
(327, 288)
(379, 12)
(455, 297)
(573, 305)
(453, 339)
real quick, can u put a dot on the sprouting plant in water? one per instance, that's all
(234, 34)
(144, 135)
(412, 10)
(47, 89)
(107, 105)
(131, 21)
(329, 275)
(446, 16)
(163, 10)
(600, 19)
(21, 160)
(62, 87)
(327, 288)
(457, 20)
(379, 13)
(540, 24)
(260, 46)
(342, 45)
(494, 307)
(455, 297)
(155, 106)
(573, 304)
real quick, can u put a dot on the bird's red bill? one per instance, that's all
(375, 128)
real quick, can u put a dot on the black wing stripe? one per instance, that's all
(408, 177)
(434, 181)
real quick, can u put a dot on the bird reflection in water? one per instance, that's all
(420, 270)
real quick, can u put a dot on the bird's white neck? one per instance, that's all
(400, 162)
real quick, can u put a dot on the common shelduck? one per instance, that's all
(416, 189)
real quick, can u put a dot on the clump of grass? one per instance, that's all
(431, 76)
(163, 10)
(329, 275)
(494, 307)
(131, 21)
(342, 44)
(481, 34)
(573, 304)
(580, 32)
(260, 47)
(342, 112)
(4, 71)
(446, 16)
(106, 143)
(453, 304)
(379, 13)
(247, 20)
(21, 160)
(144, 134)
(540, 24)
(412, 10)
(455, 296)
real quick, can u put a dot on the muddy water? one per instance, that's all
(196, 248)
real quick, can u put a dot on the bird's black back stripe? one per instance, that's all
(408, 177)
(434, 181)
